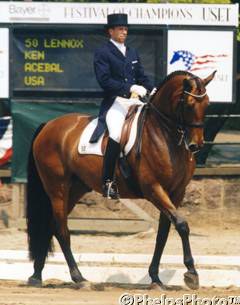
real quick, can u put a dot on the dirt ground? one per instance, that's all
(15, 293)
(204, 240)
(214, 227)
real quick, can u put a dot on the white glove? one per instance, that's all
(139, 90)
(154, 90)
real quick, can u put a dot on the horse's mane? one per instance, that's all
(171, 75)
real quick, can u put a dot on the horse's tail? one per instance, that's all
(39, 210)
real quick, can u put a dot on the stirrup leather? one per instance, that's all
(110, 190)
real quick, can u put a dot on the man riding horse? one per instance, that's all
(119, 72)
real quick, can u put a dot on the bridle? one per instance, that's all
(180, 122)
(196, 95)
(183, 124)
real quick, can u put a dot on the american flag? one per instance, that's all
(5, 139)
(193, 62)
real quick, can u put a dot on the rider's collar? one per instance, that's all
(121, 46)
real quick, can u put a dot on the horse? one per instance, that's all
(58, 175)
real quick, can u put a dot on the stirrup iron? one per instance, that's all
(110, 190)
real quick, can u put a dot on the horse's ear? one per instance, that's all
(207, 80)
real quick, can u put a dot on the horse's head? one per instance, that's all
(190, 109)
(184, 99)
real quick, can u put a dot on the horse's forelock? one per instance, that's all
(199, 83)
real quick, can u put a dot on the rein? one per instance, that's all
(166, 121)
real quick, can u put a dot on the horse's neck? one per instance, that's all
(163, 143)
(164, 100)
(160, 126)
(163, 137)
(162, 117)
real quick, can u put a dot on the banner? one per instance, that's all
(139, 13)
(201, 53)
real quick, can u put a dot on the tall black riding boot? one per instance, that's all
(109, 163)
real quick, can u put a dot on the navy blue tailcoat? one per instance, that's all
(116, 74)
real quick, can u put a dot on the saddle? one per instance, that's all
(128, 134)
(125, 134)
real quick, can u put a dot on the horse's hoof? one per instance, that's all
(34, 282)
(77, 276)
(157, 286)
(191, 280)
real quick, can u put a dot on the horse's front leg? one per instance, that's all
(161, 199)
(191, 276)
(162, 235)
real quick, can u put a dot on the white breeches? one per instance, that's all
(116, 116)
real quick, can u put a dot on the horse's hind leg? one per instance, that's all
(61, 206)
(39, 222)
(39, 262)
(63, 237)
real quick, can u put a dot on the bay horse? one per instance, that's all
(58, 175)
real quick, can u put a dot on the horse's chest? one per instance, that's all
(179, 167)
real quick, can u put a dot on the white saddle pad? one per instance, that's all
(86, 148)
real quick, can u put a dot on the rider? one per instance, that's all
(119, 72)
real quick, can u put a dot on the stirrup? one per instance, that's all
(110, 190)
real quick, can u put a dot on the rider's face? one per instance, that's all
(118, 33)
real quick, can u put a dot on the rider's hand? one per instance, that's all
(139, 90)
